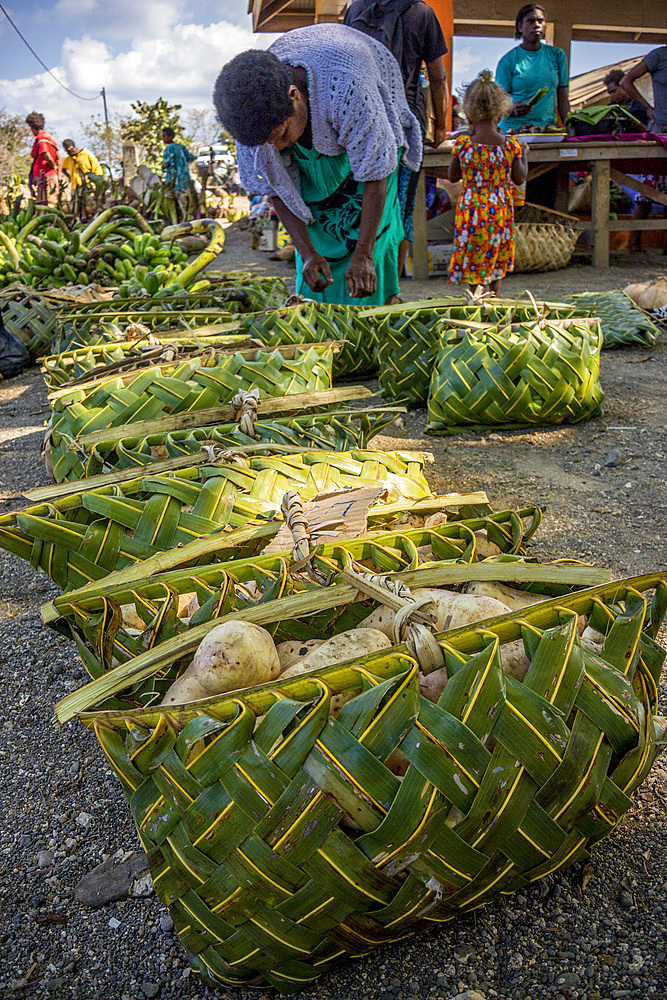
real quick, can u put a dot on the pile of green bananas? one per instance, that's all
(118, 247)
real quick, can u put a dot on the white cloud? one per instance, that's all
(179, 63)
(466, 64)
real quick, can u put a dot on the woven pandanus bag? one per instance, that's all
(281, 840)
(523, 374)
(86, 535)
(408, 340)
(141, 400)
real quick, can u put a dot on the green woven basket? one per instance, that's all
(85, 535)
(126, 355)
(408, 341)
(334, 429)
(312, 322)
(528, 373)
(621, 320)
(29, 317)
(242, 802)
(142, 400)
(291, 605)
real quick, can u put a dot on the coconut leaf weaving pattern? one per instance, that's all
(621, 320)
(314, 322)
(281, 841)
(407, 343)
(195, 384)
(59, 369)
(96, 618)
(84, 537)
(30, 319)
(544, 373)
(333, 430)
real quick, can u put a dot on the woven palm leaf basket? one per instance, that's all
(108, 327)
(408, 340)
(544, 240)
(88, 533)
(298, 423)
(543, 372)
(111, 619)
(120, 357)
(305, 821)
(30, 317)
(621, 320)
(200, 383)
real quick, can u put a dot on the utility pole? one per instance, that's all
(106, 120)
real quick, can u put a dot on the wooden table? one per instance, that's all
(606, 161)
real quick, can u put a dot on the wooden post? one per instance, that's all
(562, 38)
(420, 244)
(444, 11)
(600, 212)
(130, 161)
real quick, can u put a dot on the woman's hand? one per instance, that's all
(316, 272)
(520, 108)
(360, 276)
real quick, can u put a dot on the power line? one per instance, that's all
(42, 63)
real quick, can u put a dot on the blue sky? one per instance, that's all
(144, 49)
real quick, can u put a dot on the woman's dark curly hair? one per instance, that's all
(35, 120)
(251, 96)
(527, 8)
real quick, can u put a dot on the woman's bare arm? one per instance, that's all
(360, 276)
(316, 272)
(455, 170)
(627, 84)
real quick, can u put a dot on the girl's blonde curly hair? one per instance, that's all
(486, 100)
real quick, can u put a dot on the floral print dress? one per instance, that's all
(484, 237)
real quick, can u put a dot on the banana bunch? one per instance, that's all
(116, 248)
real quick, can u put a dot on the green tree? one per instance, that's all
(105, 141)
(15, 143)
(145, 128)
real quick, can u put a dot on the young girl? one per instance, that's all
(486, 161)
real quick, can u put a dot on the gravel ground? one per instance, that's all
(595, 932)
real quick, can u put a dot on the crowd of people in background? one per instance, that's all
(330, 124)
(54, 179)
(325, 130)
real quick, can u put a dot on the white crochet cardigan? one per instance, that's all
(357, 105)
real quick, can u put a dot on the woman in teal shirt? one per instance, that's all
(531, 66)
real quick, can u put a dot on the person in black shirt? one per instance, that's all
(409, 29)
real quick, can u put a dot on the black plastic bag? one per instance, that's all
(14, 357)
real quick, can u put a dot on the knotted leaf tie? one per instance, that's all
(246, 404)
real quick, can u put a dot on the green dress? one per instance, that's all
(334, 198)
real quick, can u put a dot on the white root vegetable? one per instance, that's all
(485, 548)
(235, 654)
(131, 619)
(357, 642)
(514, 599)
(451, 610)
(433, 520)
(292, 650)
